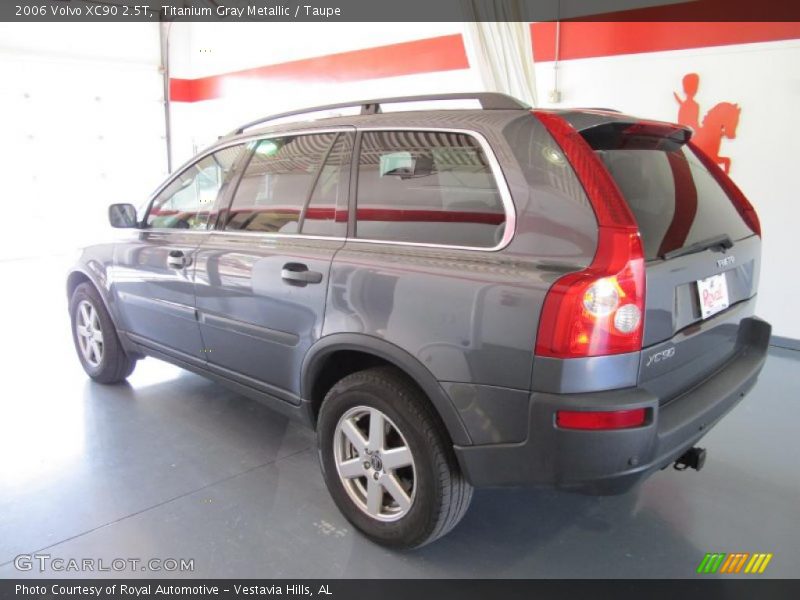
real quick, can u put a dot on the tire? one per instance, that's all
(106, 360)
(435, 495)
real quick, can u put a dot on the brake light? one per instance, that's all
(736, 196)
(658, 130)
(608, 419)
(599, 310)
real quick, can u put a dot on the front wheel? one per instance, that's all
(96, 342)
(387, 461)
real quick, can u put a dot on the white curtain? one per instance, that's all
(501, 52)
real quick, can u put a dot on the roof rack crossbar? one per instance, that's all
(488, 101)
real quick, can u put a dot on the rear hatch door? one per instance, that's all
(702, 258)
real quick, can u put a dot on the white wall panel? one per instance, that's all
(203, 49)
(83, 126)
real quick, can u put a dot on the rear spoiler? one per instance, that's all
(636, 135)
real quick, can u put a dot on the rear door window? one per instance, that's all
(427, 187)
(674, 198)
(294, 185)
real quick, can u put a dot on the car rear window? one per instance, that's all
(674, 198)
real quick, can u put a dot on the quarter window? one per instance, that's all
(294, 184)
(427, 187)
(188, 202)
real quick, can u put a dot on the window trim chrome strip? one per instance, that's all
(502, 186)
(271, 235)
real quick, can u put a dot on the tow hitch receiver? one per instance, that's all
(693, 458)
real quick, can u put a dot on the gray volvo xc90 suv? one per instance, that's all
(459, 298)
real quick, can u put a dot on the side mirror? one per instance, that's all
(122, 216)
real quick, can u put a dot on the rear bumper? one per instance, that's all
(611, 462)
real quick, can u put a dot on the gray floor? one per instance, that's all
(174, 466)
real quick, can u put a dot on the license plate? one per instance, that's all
(713, 293)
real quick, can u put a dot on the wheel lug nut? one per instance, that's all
(376, 475)
(366, 464)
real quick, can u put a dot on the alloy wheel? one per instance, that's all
(90, 333)
(375, 463)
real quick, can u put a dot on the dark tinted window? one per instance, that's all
(427, 187)
(188, 202)
(294, 184)
(675, 200)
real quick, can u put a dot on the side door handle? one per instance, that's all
(176, 259)
(298, 274)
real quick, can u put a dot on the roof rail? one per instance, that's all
(614, 110)
(488, 101)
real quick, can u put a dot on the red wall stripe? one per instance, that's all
(446, 53)
(587, 39)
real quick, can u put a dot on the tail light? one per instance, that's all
(737, 198)
(599, 310)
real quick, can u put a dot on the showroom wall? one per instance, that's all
(225, 75)
(82, 126)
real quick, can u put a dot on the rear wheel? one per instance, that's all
(96, 341)
(387, 461)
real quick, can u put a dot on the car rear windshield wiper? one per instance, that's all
(718, 241)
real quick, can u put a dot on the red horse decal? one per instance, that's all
(721, 121)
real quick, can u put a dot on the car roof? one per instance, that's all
(484, 121)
